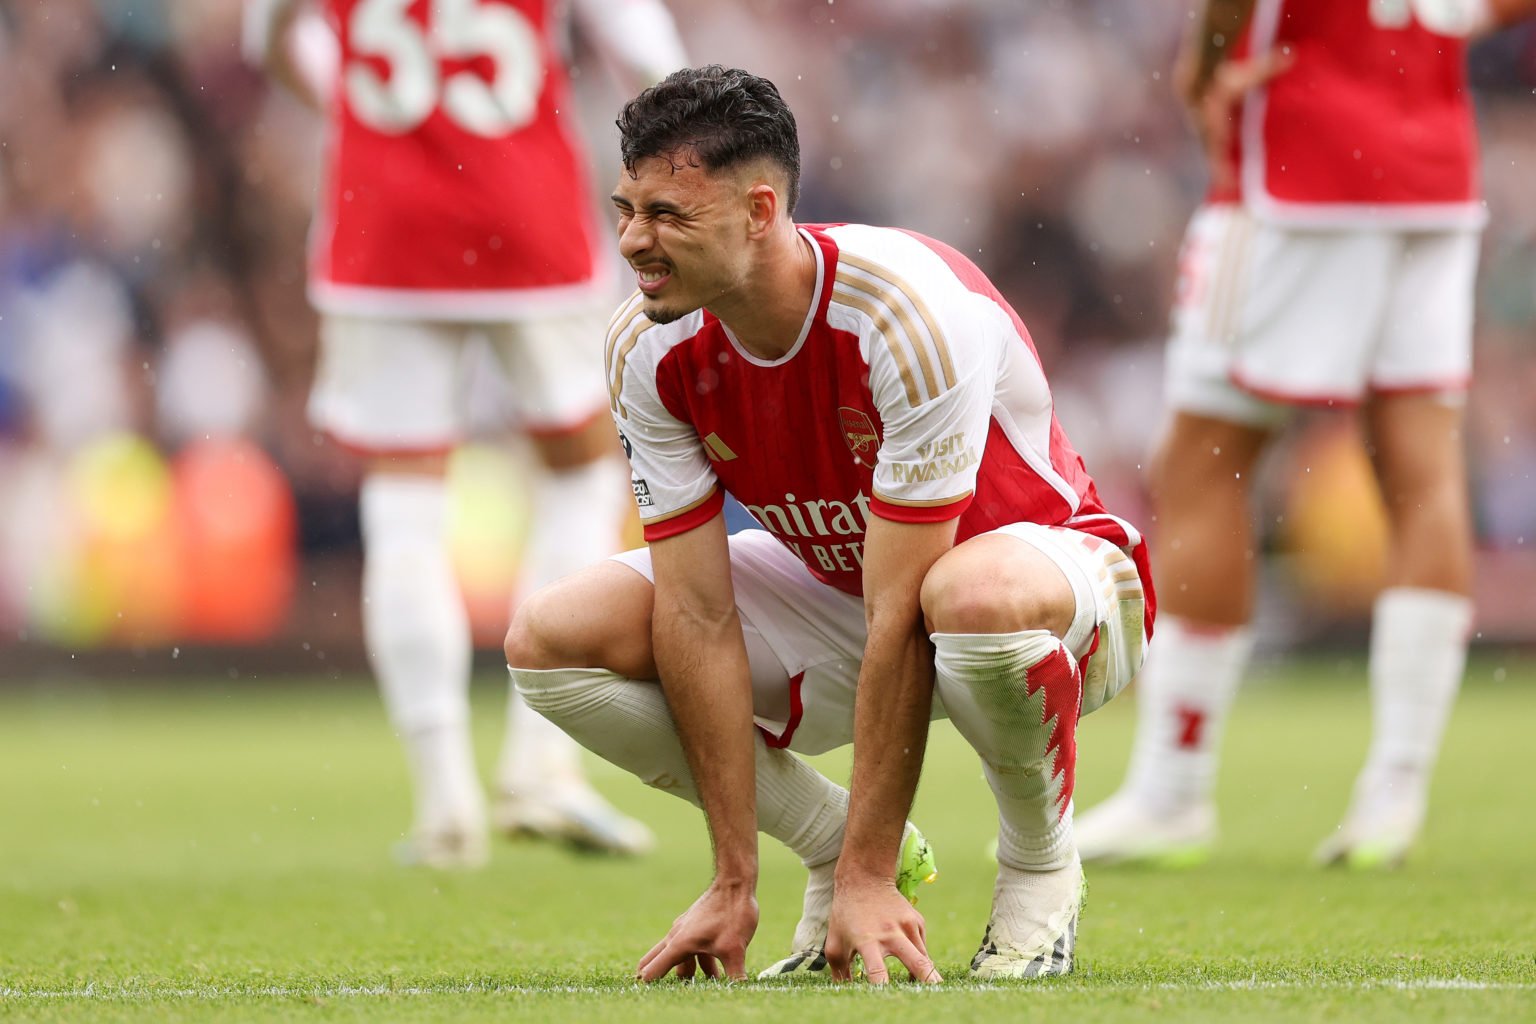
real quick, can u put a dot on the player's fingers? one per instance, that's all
(708, 965)
(651, 955)
(837, 959)
(686, 969)
(915, 959)
(661, 964)
(735, 963)
(875, 970)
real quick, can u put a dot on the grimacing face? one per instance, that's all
(681, 229)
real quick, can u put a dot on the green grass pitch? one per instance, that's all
(220, 852)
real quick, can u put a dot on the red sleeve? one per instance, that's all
(903, 513)
(686, 519)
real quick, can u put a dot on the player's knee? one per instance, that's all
(979, 592)
(534, 639)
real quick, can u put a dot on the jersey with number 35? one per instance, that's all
(455, 187)
(1372, 123)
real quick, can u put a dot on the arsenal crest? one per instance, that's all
(860, 434)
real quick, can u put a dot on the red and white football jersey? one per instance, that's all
(1371, 124)
(455, 186)
(913, 393)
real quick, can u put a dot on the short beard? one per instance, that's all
(664, 316)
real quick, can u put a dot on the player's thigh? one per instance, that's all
(1268, 318)
(805, 641)
(555, 362)
(1426, 338)
(386, 386)
(1108, 627)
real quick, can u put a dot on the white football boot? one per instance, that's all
(1033, 929)
(1384, 818)
(915, 867)
(445, 846)
(1128, 828)
(575, 814)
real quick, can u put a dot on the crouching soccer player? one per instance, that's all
(933, 547)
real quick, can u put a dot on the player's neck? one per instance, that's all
(767, 314)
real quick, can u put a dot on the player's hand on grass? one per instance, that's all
(872, 920)
(711, 936)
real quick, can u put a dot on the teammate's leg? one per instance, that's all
(1206, 564)
(1420, 626)
(1008, 640)
(387, 387)
(579, 501)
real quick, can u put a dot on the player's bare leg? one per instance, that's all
(417, 635)
(998, 610)
(580, 653)
(578, 514)
(1420, 625)
(1203, 551)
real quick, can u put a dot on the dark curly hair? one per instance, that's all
(714, 117)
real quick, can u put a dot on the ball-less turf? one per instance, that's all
(221, 852)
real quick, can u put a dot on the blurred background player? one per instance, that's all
(1332, 265)
(456, 203)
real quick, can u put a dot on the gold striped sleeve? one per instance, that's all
(616, 378)
(682, 511)
(941, 346)
(925, 502)
(618, 324)
(848, 281)
(882, 323)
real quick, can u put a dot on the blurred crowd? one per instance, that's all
(155, 192)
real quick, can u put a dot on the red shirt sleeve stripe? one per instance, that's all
(919, 513)
(682, 523)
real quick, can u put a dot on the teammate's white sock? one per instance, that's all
(417, 635)
(1418, 654)
(629, 724)
(1184, 691)
(578, 516)
(1015, 697)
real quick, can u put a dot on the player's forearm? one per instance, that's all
(890, 734)
(1212, 35)
(703, 667)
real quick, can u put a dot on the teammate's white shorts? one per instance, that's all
(1268, 318)
(398, 386)
(805, 640)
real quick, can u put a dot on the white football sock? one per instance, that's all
(578, 516)
(1418, 654)
(1015, 697)
(629, 724)
(1183, 694)
(417, 635)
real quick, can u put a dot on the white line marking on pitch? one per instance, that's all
(210, 992)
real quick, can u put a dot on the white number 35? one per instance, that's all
(416, 86)
(1443, 17)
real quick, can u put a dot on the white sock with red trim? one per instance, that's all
(578, 517)
(1015, 697)
(629, 724)
(1183, 694)
(417, 634)
(1418, 654)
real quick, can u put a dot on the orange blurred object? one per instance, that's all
(236, 527)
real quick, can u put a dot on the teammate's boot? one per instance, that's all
(573, 814)
(1033, 929)
(1382, 823)
(914, 868)
(1125, 828)
(458, 846)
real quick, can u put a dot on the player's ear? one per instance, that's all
(763, 209)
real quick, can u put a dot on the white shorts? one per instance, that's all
(385, 385)
(805, 640)
(1269, 317)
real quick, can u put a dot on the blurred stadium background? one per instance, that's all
(163, 503)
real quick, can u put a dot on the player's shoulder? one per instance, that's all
(896, 264)
(634, 340)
